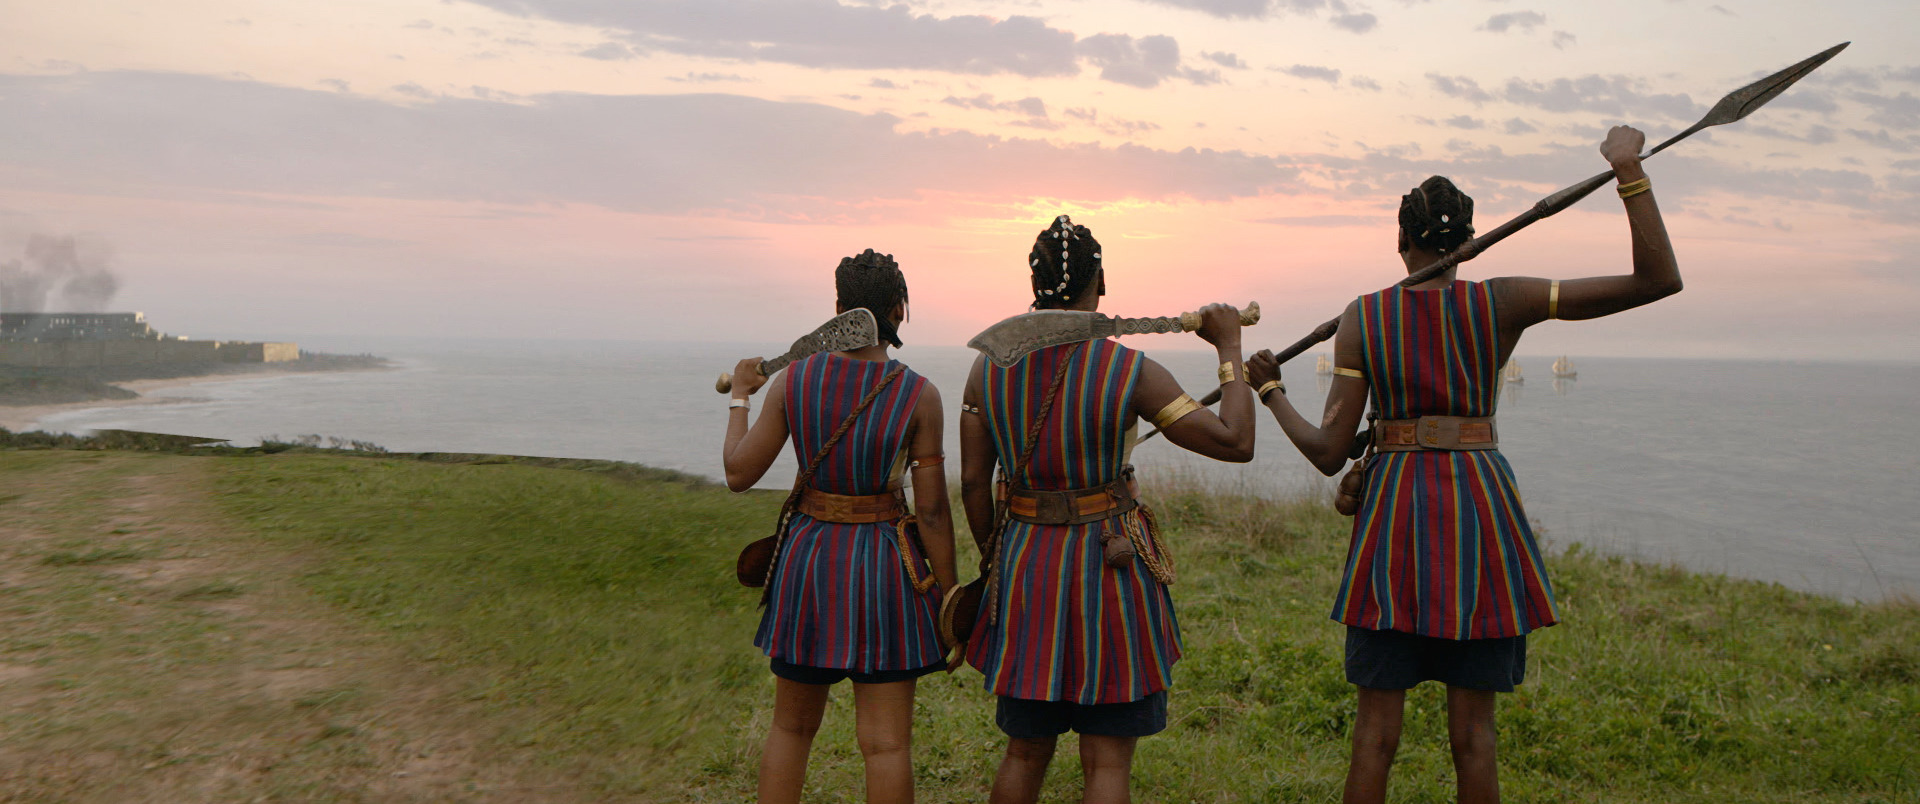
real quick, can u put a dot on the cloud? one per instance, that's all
(1563, 40)
(1363, 82)
(1357, 23)
(665, 154)
(882, 83)
(822, 33)
(1031, 107)
(1900, 112)
(1311, 72)
(1459, 86)
(1227, 60)
(1117, 126)
(1143, 62)
(1517, 126)
(1524, 20)
(1229, 9)
(708, 78)
(1342, 16)
(1608, 95)
(1463, 122)
(1327, 220)
(609, 51)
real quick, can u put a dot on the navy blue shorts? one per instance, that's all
(1038, 720)
(1395, 660)
(829, 675)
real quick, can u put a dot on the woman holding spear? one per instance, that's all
(1443, 579)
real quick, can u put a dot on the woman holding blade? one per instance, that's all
(1443, 579)
(849, 594)
(1076, 629)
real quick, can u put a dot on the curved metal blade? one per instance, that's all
(1743, 101)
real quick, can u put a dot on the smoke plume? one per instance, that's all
(69, 273)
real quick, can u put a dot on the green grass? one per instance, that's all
(597, 613)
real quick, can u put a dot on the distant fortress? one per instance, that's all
(87, 340)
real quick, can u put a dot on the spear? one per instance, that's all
(1736, 105)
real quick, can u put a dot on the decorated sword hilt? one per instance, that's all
(1249, 316)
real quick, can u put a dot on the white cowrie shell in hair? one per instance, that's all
(1443, 218)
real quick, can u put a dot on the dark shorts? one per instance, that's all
(828, 675)
(1395, 660)
(1038, 720)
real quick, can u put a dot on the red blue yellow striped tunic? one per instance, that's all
(1061, 625)
(839, 597)
(1441, 546)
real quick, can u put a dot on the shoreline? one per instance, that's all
(26, 418)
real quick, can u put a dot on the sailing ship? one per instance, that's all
(1512, 374)
(1563, 369)
(1324, 367)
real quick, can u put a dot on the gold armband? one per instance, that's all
(1633, 188)
(1347, 372)
(740, 404)
(1553, 300)
(1229, 372)
(1268, 386)
(1175, 411)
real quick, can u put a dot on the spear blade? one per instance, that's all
(1745, 100)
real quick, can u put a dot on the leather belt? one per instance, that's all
(1436, 432)
(1071, 506)
(852, 509)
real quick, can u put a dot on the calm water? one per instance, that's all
(1801, 473)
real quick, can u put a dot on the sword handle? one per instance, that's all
(1249, 316)
(725, 383)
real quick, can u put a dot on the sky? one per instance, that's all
(693, 170)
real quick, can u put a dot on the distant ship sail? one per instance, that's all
(1513, 372)
(1563, 368)
(1324, 367)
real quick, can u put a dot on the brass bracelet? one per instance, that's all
(1553, 300)
(1343, 371)
(1175, 411)
(1268, 386)
(1230, 372)
(1633, 188)
(740, 404)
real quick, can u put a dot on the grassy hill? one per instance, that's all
(590, 618)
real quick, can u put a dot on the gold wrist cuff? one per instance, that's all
(739, 403)
(1343, 371)
(1633, 188)
(1268, 386)
(1175, 411)
(1553, 300)
(1230, 372)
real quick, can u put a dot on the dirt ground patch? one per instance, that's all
(155, 652)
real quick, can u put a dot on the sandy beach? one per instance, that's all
(23, 418)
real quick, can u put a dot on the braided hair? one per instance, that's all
(1436, 216)
(872, 281)
(1066, 263)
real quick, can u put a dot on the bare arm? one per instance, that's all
(749, 452)
(1325, 446)
(978, 456)
(930, 504)
(1227, 436)
(1525, 301)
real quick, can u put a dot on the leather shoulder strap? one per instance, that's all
(813, 466)
(1046, 411)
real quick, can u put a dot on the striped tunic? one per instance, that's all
(839, 597)
(1441, 546)
(1061, 625)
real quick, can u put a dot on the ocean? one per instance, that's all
(1801, 473)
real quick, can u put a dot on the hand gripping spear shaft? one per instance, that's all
(1736, 105)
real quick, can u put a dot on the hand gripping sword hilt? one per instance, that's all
(1249, 316)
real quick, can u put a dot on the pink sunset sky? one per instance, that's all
(693, 169)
